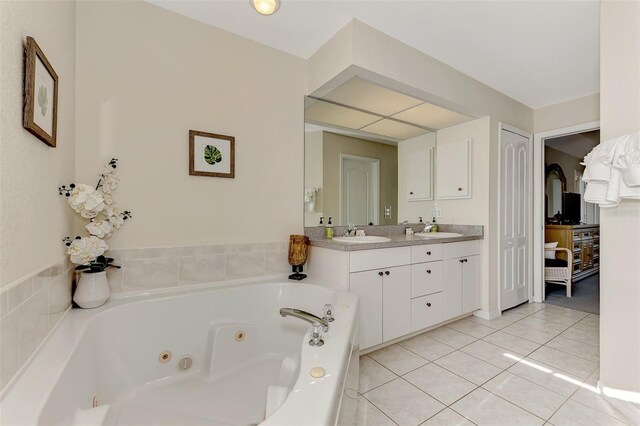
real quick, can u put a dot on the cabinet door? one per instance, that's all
(396, 302)
(368, 287)
(454, 169)
(471, 284)
(452, 289)
(416, 159)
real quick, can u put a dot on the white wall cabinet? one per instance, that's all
(416, 159)
(453, 170)
(403, 289)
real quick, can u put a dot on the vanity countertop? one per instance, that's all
(469, 232)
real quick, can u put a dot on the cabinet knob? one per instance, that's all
(428, 304)
(428, 271)
(459, 189)
(466, 260)
(380, 273)
(410, 192)
(461, 260)
(387, 272)
(428, 253)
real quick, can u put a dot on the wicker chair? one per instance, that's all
(558, 271)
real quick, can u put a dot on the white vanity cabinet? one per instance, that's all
(403, 289)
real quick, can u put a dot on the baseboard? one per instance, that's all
(486, 315)
(623, 401)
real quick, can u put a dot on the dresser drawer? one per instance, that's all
(426, 253)
(426, 311)
(426, 278)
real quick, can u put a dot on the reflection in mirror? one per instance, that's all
(556, 184)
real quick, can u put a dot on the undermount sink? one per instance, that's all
(361, 239)
(438, 234)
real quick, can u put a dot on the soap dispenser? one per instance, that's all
(434, 225)
(328, 230)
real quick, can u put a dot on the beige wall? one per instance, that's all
(33, 216)
(145, 77)
(620, 269)
(568, 163)
(332, 146)
(566, 114)
(476, 210)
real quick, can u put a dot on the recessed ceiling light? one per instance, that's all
(265, 7)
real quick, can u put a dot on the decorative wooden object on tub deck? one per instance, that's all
(298, 251)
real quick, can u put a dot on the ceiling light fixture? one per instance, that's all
(265, 7)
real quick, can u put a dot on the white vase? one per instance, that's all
(92, 290)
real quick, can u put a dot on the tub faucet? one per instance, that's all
(305, 316)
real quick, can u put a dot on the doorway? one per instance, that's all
(359, 189)
(567, 234)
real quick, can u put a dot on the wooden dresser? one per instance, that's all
(584, 240)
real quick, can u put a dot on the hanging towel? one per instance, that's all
(612, 171)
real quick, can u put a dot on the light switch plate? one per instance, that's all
(438, 212)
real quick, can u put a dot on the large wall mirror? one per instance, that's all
(370, 155)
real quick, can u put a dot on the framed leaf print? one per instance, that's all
(40, 94)
(211, 154)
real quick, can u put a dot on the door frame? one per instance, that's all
(375, 162)
(538, 199)
(503, 126)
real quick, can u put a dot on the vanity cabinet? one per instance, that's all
(416, 159)
(453, 170)
(405, 289)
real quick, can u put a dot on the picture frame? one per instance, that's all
(211, 154)
(40, 115)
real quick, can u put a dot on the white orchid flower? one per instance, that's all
(99, 228)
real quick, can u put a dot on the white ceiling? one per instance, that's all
(578, 145)
(537, 52)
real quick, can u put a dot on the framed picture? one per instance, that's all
(40, 94)
(211, 154)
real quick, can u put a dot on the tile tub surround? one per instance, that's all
(164, 267)
(30, 309)
(453, 375)
(396, 233)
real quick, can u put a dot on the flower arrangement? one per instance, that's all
(97, 205)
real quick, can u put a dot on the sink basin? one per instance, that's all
(368, 239)
(438, 234)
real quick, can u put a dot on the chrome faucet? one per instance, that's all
(352, 230)
(427, 228)
(305, 316)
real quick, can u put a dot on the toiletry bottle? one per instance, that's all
(321, 221)
(328, 230)
(434, 228)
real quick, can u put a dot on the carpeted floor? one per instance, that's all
(585, 295)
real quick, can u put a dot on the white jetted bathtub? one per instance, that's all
(216, 356)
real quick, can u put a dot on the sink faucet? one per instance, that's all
(305, 316)
(427, 228)
(352, 230)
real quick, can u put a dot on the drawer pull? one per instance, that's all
(380, 273)
(428, 253)
(459, 189)
(387, 272)
(428, 304)
(428, 271)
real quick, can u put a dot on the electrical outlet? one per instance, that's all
(438, 212)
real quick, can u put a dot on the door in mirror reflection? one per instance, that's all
(360, 194)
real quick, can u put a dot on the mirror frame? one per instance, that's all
(553, 167)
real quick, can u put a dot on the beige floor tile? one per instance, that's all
(404, 403)
(450, 337)
(500, 357)
(468, 367)
(513, 316)
(576, 414)
(580, 335)
(485, 408)
(528, 308)
(369, 415)
(555, 317)
(471, 328)
(498, 323)
(426, 347)
(544, 375)
(447, 417)
(594, 377)
(373, 374)
(529, 333)
(525, 394)
(566, 311)
(441, 384)
(398, 359)
(574, 347)
(512, 343)
(577, 366)
(591, 398)
(543, 324)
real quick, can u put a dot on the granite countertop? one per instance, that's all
(470, 232)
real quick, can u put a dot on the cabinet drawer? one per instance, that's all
(426, 311)
(464, 248)
(426, 253)
(366, 260)
(426, 278)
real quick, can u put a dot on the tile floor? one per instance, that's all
(535, 365)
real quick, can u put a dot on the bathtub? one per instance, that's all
(215, 355)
